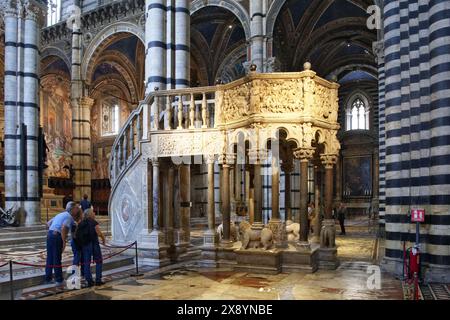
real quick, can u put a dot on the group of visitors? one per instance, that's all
(79, 220)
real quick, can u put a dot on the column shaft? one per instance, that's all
(155, 45)
(275, 188)
(182, 41)
(303, 214)
(211, 211)
(328, 192)
(11, 98)
(156, 208)
(287, 196)
(257, 185)
(226, 202)
(185, 197)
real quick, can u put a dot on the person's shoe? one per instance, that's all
(90, 285)
(99, 283)
(60, 283)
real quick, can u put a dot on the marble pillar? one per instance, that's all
(304, 155)
(23, 21)
(182, 41)
(287, 168)
(258, 9)
(317, 222)
(170, 189)
(184, 233)
(12, 173)
(155, 45)
(328, 232)
(226, 209)
(275, 224)
(157, 236)
(210, 237)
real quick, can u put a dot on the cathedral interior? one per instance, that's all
(218, 140)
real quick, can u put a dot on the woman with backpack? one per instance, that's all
(87, 236)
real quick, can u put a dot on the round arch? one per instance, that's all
(57, 52)
(229, 5)
(95, 46)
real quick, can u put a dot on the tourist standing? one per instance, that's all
(58, 229)
(85, 203)
(341, 214)
(91, 247)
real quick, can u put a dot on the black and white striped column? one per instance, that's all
(23, 20)
(81, 121)
(417, 113)
(12, 172)
(32, 23)
(155, 41)
(258, 10)
(182, 41)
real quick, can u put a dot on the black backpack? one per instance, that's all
(82, 234)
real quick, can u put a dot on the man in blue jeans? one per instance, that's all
(58, 229)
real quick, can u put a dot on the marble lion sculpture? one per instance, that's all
(234, 233)
(252, 238)
(292, 230)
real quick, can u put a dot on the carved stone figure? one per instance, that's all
(328, 234)
(292, 230)
(255, 238)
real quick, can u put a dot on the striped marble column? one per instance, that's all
(155, 42)
(33, 20)
(417, 113)
(258, 10)
(11, 103)
(182, 40)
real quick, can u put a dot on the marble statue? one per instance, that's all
(255, 238)
(292, 230)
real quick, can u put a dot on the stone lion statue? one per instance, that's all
(292, 230)
(254, 238)
(234, 233)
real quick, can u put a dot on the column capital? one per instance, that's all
(154, 161)
(304, 154)
(227, 159)
(328, 160)
(257, 156)
(210, 158)
(9, 8)
(86, 102)
(35, 10)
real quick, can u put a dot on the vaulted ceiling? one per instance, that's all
(331, 34)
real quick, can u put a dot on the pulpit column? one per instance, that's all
(226, 160)
(210, 238)
(304, 155)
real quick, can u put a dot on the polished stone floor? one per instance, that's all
(188, 281)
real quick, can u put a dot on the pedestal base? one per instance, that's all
(210, 239)
(153, 249)
(328, 258)
(300, 260)
(258, 261)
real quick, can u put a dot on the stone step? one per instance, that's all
(23, 234)
(26, 229)
(19, 241)
(35, 276)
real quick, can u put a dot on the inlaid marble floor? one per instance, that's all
(187, 281)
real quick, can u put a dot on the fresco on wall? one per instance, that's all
(102, 140)
(357, 176)
(57, 122)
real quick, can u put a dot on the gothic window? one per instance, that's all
(110, 119)
(357, 113)
(53, 11)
